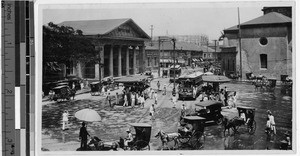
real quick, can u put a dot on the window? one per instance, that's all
(263, 61)
(204, 55)
(89, 70)
(148, 61)
(263, 41)
(155, 61)
(69, 67)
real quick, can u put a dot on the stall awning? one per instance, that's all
(181, 60)
(166, 61)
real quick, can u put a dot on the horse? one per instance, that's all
(100, 145)
(231, 124)
(165, 138)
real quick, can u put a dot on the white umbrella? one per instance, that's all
(88, 115)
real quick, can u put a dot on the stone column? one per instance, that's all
(134, 60)
(120, 61)
(101, 62)
(111, 59)
(127, 61)
(142, 59)
(99, 72)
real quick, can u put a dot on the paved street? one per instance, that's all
(116, 121)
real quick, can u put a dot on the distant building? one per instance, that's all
(265, 44)
(121, 46)
(287, 11)
(185, 54)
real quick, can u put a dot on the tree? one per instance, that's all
(62, 44)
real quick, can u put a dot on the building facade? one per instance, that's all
(121, 47)
(264, 43)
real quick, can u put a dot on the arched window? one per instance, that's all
(264, 61)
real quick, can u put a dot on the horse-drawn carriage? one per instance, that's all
(95, 88)
(210, 110)
(140, 142)
(191, 131)
(246, 117)
(142, 137)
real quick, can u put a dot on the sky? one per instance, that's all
(167, 18)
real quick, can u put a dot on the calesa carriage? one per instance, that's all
(210, 110)
(246, 117)
(141, 133)
(191, 131)
(95, 88)
(141, 137)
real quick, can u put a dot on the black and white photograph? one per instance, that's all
(171, 77)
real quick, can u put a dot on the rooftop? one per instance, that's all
(102, 27)
(270, 18)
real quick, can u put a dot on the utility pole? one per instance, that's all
(240, 44)
(158, 54)
(174, 46)
(151, 28)
(215, 48)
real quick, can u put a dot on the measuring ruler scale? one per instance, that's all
(8, 78)
(17, 80)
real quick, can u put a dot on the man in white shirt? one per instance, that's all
(129, 138)
(272, 121)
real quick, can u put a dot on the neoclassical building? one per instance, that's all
(121, 46)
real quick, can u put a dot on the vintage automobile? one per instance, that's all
(210, 110)
(63, 92)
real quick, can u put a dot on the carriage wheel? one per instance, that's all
(251, 129)
(219, 121)
(184, 139)
(140, 145)
(195, 140)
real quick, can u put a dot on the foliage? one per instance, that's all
(63, 43)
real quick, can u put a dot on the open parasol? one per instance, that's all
(88, 115)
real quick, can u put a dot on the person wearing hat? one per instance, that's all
(129, 138)
(272, 121)
(165, 89)
(183, 109)
(83, 135)
(174, 99)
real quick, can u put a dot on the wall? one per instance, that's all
(279, 56)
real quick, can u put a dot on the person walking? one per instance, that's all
(272, 121)
(158, 85)
(108, 99)
(151, 93)
(65, 120)
(132, 100)
(125, 101)
(117, 99)
(152, 110)
(155, 98)
(165, 89)
(174, 100)
(142, 100)
(183, 110)
(83, 135)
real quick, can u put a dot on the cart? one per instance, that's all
(192, 137)
(249, 119)
(142, 137)
(95, 88)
